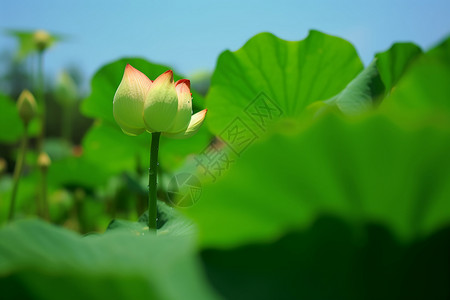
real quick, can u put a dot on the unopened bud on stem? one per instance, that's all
(42, 39)
(27, 106)
(44, 161)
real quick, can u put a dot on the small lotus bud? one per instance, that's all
(66, 89)
(42, 40)
(43, 161)
(27, 106)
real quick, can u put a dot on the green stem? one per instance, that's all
(41, 100)
(43, 210)
(44, 203)
(17, 172)
(67, 123)
(152, 181)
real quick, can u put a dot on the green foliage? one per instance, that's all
(329, 260)
(369, 171)
(361, 94)
(116, 265)
(105, 142)
(344, 196)
(425, 88)
(393, 63)
(27, 43)
(66, 91)
(292, 74)
(10, 123)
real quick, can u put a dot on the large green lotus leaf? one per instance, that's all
(173, 152)
(77, 171)
(332, 260)
(109, 147)
(393, 63)
(10, 123)
(424, 89)
(106, 81)
(169, 222)
(41, 261)
(367, 171)
(269, 77)
(359, 96)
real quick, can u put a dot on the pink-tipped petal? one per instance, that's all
(141, 79)
(166, 77)
(184, 81)
(183, 86)
(128, 103)
(184, 112)
(194, 126)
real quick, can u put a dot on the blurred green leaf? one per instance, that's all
(26, 41)
(330, 260)
(170, 222)
(291, 75)
(361, 94)
(66, 90)
(107, 151)
(393, 63)
(424, 89)
(200, 81)
(370, 171)
(26, 195)
(77, 171)
(43, 261)
(105, 144)
(57, 149)
(10, 123)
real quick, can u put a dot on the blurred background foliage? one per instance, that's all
(343, 193)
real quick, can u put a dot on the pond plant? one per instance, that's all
(314, 177)
(159, 106)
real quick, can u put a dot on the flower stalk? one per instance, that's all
(18, 172)
(43, 164)
(153, 182)
(40, 99)
(27, 108)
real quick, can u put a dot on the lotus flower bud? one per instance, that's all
(128, 103)
(44, 161)
(42, 40)
(159, 106)
(66, 89)
(27, 106)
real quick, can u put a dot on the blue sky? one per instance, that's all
(189, 35)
